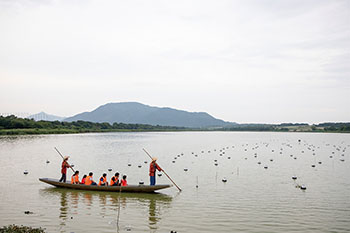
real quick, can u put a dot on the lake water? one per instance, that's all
(254, 198)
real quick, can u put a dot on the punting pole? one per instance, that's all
(163, 171)
(63, 158)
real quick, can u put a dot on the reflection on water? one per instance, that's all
(253, 199)
(74, 202)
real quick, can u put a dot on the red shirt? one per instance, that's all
(152, 168)
(124, 182)
(64, 167)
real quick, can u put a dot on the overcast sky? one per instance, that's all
(262, 61)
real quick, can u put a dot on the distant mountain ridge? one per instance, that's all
(42, 116)
(137, 113)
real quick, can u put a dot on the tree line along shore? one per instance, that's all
(12, 125)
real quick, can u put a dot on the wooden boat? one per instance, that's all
(130, 188)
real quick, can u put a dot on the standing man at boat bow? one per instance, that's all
(64, 167)
(152, 171)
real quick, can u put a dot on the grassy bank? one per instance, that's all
(20, 229)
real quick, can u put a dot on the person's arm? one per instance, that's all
(159, 168)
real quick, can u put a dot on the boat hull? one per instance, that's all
(129, 188)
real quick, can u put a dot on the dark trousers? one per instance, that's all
(152, 180)
(63, 178)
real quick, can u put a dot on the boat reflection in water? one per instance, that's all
(89, 210)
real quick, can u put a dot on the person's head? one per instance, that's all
(84, 176)
(124, 177)
(113, 178)
(154, 159)
(90, 174)
(76, 173)
(104, 175)
(66, 158)
(116, 174)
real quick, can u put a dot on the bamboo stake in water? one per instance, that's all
(163, 171)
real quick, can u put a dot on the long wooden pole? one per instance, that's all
(163, 171)
(63, 158)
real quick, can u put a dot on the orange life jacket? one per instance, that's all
(113, 182)
(75, 179)
(103, 181)
(88, 180)
(124, 182)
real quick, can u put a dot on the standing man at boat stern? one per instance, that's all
(153, 167)
(64, 167)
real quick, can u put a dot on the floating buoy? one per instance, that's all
(215, 160)
(141, 182)
(139, 166)
(159, 174)
(173, 161)
(303, 187)
(109, 169)
(47, 161)
(129, 164)
(265, 167)
(185, 169)
(313, 165)
(271, 160)
(224, 180)
(259, 162)
(25, 172)
(320, 162)
(216, 164)
(145, 162)
(294, 177)
(342, 160)
(72, 165)
(28, 212)
(229, 157)
(295, 157)
(331, 156)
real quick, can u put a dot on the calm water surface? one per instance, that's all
(254, 198)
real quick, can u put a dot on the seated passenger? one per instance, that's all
(89, 180)
(75, 178)
(113, 182)
(123, 181)
(83, 180)
(116, 180)
(103, 180)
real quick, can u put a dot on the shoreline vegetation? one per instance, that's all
(20, 229)
(12, 125)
